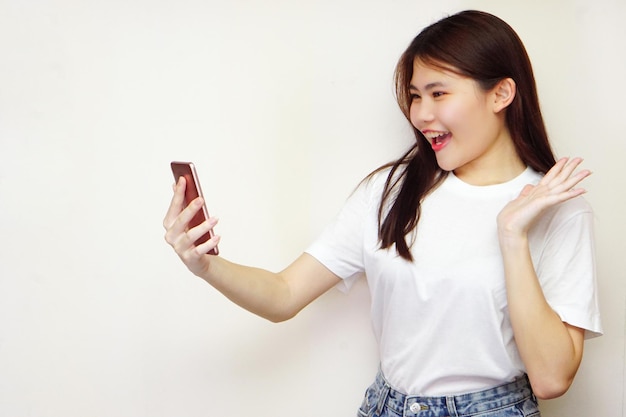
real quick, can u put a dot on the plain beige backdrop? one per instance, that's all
(284, 106)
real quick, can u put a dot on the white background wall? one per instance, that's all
(284, 106)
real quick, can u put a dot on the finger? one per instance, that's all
(203, 228)
(567, 169)
(570, 184)
(554, 199)
(567, 178)
(560, 178)
(183, 241)
(181, 222)
(209, 245)
(186, 248)
(554, 171)
(176, 204)
(567, 190)
(176, 231)
(526, 190)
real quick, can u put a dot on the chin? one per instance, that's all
(447, 165)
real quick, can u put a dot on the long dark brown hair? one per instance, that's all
(486, 49)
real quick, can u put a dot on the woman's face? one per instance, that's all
(464, 125)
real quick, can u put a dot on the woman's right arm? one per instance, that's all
(274, 296)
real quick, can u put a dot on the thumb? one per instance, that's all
(526, 190)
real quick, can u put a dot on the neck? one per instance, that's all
(491, 175)
(499, 165)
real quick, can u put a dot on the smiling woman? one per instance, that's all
(482, 54)
(475, 233)
(284, 107)
(464, 124)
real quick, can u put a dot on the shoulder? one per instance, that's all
(382, 186)
(374, 184)
(571, 218)
(571, 208)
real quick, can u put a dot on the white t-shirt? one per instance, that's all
(442, 322)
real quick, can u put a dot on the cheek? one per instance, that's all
(459, 117)
(453, 111)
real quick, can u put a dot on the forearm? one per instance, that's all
(259, 291)
(274, 296)
(546, 344)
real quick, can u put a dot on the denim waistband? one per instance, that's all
(454, 405)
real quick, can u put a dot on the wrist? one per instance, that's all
(512, 239)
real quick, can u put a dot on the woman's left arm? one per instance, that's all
(551, 349)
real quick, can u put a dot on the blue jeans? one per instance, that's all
(514, 399)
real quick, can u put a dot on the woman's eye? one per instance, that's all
(415, 97)
(438, 94)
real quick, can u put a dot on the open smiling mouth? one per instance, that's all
(438, 140)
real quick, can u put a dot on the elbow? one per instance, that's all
(280, 315)
(278, 318)
(550, 388)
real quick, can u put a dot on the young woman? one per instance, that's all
(476, 244)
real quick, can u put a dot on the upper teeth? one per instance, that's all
(433, 135)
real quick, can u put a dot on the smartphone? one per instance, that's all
(193, 191)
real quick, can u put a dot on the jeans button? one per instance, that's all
(415, 407)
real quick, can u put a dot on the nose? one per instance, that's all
(421, 113)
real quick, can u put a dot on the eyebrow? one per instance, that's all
(428, 86)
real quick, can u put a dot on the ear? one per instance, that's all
(503, 94)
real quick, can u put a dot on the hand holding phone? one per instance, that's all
(193, 191)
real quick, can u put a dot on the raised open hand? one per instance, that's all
(558, 185)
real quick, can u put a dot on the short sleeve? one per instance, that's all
(566, 267)
(341, 244)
